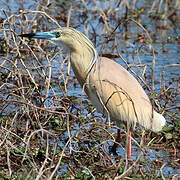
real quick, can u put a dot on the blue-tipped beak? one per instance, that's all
(40, 35)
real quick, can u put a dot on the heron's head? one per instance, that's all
(69, 37)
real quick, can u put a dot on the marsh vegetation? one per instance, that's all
(49, 129)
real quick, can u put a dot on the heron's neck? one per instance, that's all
(81, 62)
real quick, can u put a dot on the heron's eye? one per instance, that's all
(58, 34)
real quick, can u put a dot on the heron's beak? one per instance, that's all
(39, 35)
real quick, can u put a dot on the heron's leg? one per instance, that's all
(129, 145)
(115, 145)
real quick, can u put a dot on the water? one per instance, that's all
(166, 69)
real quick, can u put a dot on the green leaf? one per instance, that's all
(168, 135)
(166, 128)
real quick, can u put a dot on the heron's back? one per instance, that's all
(112, 89)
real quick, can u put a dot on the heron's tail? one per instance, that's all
(158, 122)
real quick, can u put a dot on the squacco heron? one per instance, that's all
(111, 88)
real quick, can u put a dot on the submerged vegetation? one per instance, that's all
(48, 127)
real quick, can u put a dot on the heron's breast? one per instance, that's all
(94, 97)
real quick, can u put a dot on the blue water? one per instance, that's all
(167, 64)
